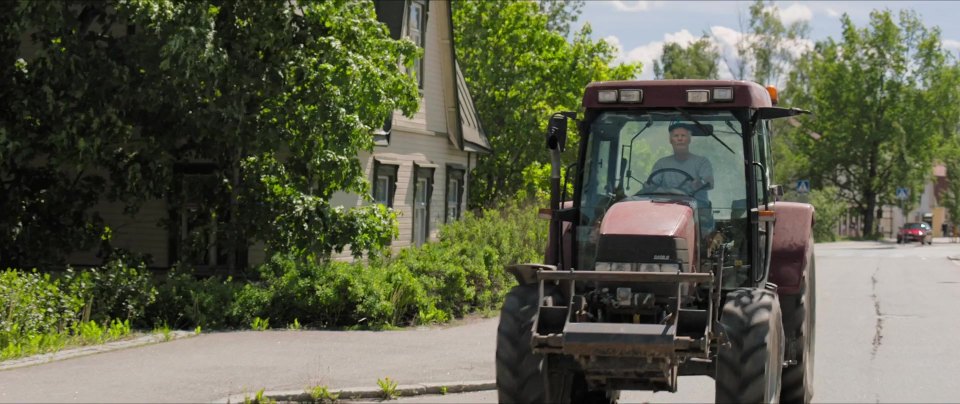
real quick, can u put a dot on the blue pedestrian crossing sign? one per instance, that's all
(902, 193)
(803, 186)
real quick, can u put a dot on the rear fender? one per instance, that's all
(792, 247)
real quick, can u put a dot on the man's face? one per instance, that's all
(680, 140)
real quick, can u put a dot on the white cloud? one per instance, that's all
(632, 6)
(615, 42)
(796, 12)
(649, 52)
(951, 44)
(645, 54)
(832, 13)
(724, 39)
(684, 38)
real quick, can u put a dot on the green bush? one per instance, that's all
(461, 273)
(34, 304)
(465, 269)
(325, 294)
(185, 302)
(827, 214)
(120, 289)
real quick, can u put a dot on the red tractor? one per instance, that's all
(671, 257)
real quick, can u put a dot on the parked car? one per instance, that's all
(915, 232)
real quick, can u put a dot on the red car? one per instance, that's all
(915, 231)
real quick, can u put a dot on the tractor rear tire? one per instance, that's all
(519, 375)
(801, 321)
(750, 360)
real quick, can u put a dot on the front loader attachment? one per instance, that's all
(623, 355)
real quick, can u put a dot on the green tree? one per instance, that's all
(696, 61)
(520, 71)
(112, 97)
(951, 196)
(561, 13)
(765, 52)
(884, 98)
(766, 47)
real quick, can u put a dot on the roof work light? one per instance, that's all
(607, 96)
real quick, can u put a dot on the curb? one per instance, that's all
(356, 393)
(91, 349)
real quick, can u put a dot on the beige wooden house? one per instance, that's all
(419, 167)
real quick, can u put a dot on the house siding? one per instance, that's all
(141, 233)
(408, 149)
(432, 103)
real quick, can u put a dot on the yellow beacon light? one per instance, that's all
(773, 94)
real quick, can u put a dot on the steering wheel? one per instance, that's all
(649, 181)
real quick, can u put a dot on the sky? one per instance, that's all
(640, 28)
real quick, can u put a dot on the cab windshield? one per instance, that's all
(681, 154)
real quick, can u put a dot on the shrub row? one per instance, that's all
(461, 273)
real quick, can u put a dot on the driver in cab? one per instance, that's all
(699, 172)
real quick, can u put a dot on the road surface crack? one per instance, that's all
(878, 328)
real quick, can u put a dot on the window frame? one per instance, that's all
(183, 205)
(420, 32)
(388, 170)
(458, 174)
(426, 172)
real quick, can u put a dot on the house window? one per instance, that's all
(416, 25)
(197, 226)
(381, 136)
(384, 182)
(422, 191)
(454, 200)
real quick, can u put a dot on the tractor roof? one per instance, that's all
(673, 93)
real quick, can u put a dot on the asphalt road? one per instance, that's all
(885, 333)
(887, 323)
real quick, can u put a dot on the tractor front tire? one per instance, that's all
(519, 374)
(750, 358)
(801, 321)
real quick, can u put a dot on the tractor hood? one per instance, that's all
(648, 231)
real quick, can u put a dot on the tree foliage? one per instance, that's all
(109, 99)
(561, 13)
(696, 61)
(883, 98)
(766, 49)
(520, 71)
(951, 195)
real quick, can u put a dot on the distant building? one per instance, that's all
(928, 210)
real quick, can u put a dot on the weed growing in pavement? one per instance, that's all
(295, 325)
(164, 330)
(388, 387)
(260, 324)
(259, 398)
(196, 331)
(443, 390)
(321, 394)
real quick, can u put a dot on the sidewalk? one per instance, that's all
(213, 367)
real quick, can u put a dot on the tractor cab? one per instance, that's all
(665, 261)
(662, 161)
(655, 172)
